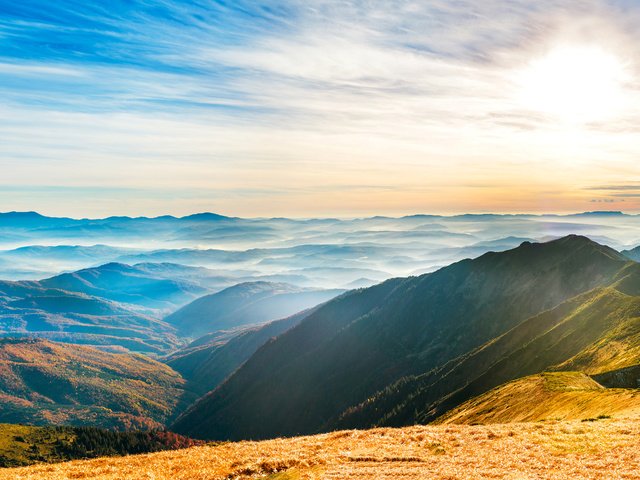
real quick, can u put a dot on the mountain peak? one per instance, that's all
(204, 216)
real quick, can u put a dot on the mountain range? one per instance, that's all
(152, 345)
(407, 350)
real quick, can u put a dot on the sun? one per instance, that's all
(576, 84)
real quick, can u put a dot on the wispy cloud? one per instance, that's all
(265, 95)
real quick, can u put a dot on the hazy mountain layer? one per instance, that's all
(245, 304)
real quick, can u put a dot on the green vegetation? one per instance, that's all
(24, 445)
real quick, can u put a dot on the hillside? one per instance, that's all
(114, 306)
(206, 366)
(596, 332)
(25, 444)
(45, 383)
(365, 340)
(245, 304)
(555, 450)
(79, 318)
(544, 397)
(128, 284)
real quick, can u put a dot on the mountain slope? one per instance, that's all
(43, 382)
(546, 396)
(578, 334)
(366, 340)
(32, 310)
(206, 366)
(245, 304)
(129, 284)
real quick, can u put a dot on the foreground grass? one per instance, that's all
(606, 448)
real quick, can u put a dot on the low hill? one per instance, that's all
(44, 383)
(555, 450)
(633, 253)
(245, 304)
(546, 396)
(25, 444)
(366, 340)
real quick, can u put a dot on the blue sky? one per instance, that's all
(313, 108)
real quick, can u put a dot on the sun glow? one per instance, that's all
(574, 85)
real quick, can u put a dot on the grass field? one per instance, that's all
(600, 449)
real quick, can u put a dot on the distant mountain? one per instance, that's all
(245, 304)
(313, 375)
(547, 396)
(633, 254)
(124, 283)
(45, 383)
(207, 365)
(28, 309)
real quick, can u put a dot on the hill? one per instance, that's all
(245, 304)
(45, 383)
(28, 309)
(546, 396)
(555, 450)
(633, 254)
(25, 444)
(313, 375)
(128, 284)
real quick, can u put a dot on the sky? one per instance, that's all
(323, 108)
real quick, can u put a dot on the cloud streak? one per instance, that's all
(262, 96)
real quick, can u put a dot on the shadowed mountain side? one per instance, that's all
(368, 339)
(205, 367)
(546, 396)
(43, 382)
(245, 304)
(596, 332)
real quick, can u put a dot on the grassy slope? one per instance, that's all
(44, 382)
(554, 450)
(22, 445)
(546, 396)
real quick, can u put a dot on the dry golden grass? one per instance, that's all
(547, 396)
(604, 449)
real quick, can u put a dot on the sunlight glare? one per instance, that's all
(574, 85)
